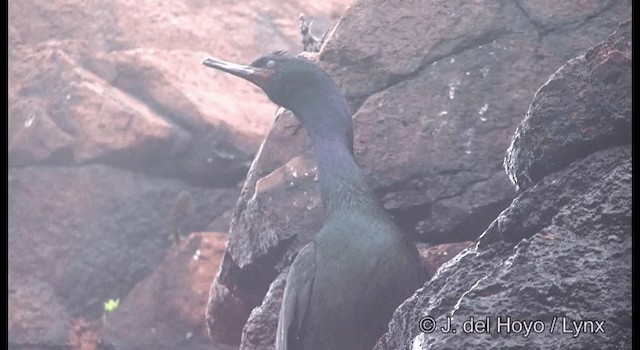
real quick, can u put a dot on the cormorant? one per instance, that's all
(343, 286)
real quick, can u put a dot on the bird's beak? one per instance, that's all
(258, 76)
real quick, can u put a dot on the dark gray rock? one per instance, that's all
(534, 266)
(592, 93)
(259, 333)
(562, 250)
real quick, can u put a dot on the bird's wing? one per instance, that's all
(297, 294)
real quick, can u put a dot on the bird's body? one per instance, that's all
(357, 283)
(343, 287)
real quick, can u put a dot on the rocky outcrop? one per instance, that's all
(111, 117)
(80, 236)
(433, 118)
(436, 92)
(97, 83)
(561, 252)
(586, 92)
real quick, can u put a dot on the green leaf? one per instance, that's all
(111, 304)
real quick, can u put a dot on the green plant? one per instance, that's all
(111, 304)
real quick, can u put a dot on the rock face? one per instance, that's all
(164, 311)
(111, 117)
(597, 115)
(561, 252)
(433, 117)
(79, 236)
(258, 333)
(435, 256)
(130, 100)
(436, 89)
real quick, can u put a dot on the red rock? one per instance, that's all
(165, 310)
(85, 235)
(63, 113)
(29, 324)
(121, 84)
(160, 84)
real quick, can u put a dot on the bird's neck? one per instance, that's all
(342, 183)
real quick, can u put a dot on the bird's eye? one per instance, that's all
(271, 64)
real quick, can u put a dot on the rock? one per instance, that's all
(561, 252)
(164, 311)
(435, 256)
(552, 271)
(594, 91)
(221, 223)
(228, 29)
(438, 30)
(37, 317)
(259, 333)
(88, 234)
(219, 140)
(160, 129)
(443, 109)
(63, 114)
(436, 94)
(111, 115)
(174, 119)
(565, 14)
(91, 26)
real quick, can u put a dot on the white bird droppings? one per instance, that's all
(29, 122)
(452, 88)
(483, 109)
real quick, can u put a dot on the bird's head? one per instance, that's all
(289, 81)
